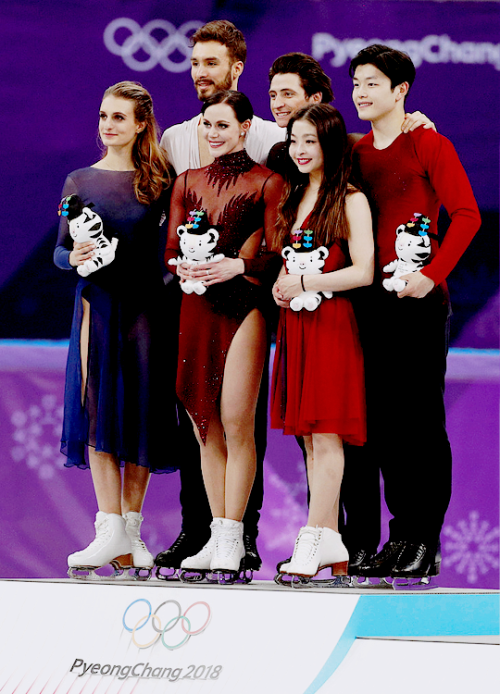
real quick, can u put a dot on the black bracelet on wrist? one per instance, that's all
(302, 283)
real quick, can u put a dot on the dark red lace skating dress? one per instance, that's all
(318, 376)
(241, 198)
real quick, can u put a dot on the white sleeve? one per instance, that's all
(181, 145)
(263, 135)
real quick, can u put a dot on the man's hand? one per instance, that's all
(416, 119)
(417, 285)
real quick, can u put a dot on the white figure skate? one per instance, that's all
(196, 568)
(228, 559)
(315, 549)
(111, 546)
(143, 560)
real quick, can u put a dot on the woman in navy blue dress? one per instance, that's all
(118, 394)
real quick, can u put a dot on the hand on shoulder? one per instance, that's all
(416, 120)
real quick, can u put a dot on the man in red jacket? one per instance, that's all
(405, 324)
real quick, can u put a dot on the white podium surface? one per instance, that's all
(147, 637)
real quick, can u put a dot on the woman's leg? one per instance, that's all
(84, 344)
(213, 465)
(328, 457)
(240, 388)
(104, 467)
(135, 485)
(228, 458)
(308, 446)
(107, 481)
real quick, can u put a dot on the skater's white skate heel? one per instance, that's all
(229, 551)
(111, 546)
(142, 558)
(196, 568)
(315, 549)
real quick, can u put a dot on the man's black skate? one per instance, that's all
(416, 566)
(252, 560)
(170, 559)
(357, 559)
(381, 565)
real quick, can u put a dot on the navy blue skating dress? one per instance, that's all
(127, 407)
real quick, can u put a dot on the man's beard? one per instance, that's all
(223, 86)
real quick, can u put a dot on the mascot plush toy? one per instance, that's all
(301, 260)
(197, 241)
(413, 248)
(85, 225)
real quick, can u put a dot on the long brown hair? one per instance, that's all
(153, 171)
(328, 219)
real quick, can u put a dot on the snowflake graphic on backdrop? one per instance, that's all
(37, 434)
(473, 547)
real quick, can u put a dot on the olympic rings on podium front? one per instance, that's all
(142, 39)
(194, 633)
(178, 616)
(184, 640)
(161, 630)
(128, 608)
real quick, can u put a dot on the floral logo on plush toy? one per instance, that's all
(197, 239)
(302, 259)
(85, 225)
(413, 248)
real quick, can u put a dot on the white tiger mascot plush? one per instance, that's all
(197, 241)
(413, 248)
(85, 225)
(302, 261)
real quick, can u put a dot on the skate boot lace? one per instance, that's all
(306, 546)
(227, 543)
(207, 549)
(133, 531)
(101, 534)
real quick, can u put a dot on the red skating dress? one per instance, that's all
(318, 376)
(241, 198)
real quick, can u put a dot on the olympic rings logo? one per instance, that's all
(159, 51)
(161, 630)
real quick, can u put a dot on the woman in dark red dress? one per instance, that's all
(325, 235)
(222, 342)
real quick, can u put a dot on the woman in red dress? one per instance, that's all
(325, 235)
(230, 207)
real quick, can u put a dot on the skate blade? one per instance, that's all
(359, 581)
(191, 575)
(371, 582)
(414, 583)
(121, 566)
(224, 577)
(245, 577)
(84, 573)
(339, 578)
(174, 576)
(141, 573)
(89, 573)
(293, 580)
